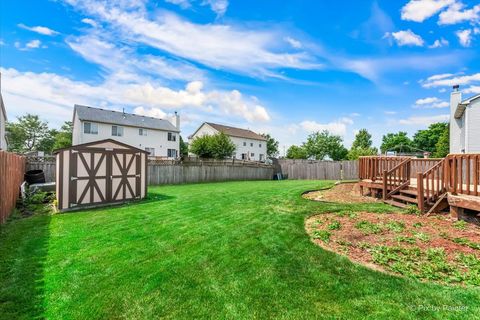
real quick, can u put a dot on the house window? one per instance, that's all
(251, 144)
(244, 144)
(172, 153)
(142, 132)
(259, 145)
(260, 157)
(244, 156)
(172, 136)
(90, 128)
(151, 151)
(252, 155)
(117, 131)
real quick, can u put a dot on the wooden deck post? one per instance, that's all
(384, 195)
(420, 194)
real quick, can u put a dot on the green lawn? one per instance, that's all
(220, 251)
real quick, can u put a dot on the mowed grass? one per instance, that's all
(235, 250)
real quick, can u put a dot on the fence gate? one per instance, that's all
(100, 173)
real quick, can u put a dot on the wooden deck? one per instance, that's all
(431, 184)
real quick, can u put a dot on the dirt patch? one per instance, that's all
(427, 248)
(341, 193)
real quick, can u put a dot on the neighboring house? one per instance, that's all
(159, 137)
(3, 122)
(249, 145)
(464, 123)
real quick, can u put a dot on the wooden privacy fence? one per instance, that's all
(178, 172)
(192, 171)
(12, 168)
(299, 169)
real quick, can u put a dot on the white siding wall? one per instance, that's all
(154, 139)
(473, 127)
(259, 147)
(456, 125)
(3, 141)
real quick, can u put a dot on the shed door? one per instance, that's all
(99, 176)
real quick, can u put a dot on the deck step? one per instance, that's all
(396, 204)
(404, 198)
(409, 192)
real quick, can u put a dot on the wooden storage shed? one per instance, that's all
(100, 173)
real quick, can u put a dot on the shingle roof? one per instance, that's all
(125, 119)
(463, 105)
(236, 132)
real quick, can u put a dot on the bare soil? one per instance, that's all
(369, 238)
(341, 193)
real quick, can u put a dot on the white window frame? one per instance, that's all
(119, 131)
(142, 132)
(92, 125)
(169, 153)
(171, 136)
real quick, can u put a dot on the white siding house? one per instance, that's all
(3, 121)
(249, 145)
(157, 136)
(464, 123)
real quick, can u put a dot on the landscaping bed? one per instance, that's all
(426, 248)
(341, 193)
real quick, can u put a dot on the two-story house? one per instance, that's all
(157, 136)
(249, 145)
(3, 122)
(464, 123)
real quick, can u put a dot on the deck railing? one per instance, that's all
(396, 178)
(463, 174)
(372, 167)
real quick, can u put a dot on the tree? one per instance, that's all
(48, 141)
(363, 139)
(183, 148)
(362, 145)
(27, 133)
(442, 148)
(296, 152)
(218, 146)
(63, 139)
(321, 144)
(426, 140)
(272, 146)
(396, 142)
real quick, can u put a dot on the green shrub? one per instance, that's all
(335, 225)
(396, 226)
(368, 227)
(460, 225)
(322, 235)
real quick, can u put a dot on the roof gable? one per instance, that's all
(86, 113)
(462, 106)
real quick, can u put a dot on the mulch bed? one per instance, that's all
(341, 193)
(426, 248)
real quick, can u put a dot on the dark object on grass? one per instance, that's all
(34, 176)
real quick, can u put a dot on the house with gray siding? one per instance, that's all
(464, 123)
(159, 137)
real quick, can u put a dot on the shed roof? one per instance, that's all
(100, 142)
(233, 131)
(86, 113)
(463, 105)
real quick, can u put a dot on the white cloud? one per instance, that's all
(60, 93)
(390, 113)
(425, 120)
(90, 22)
(420, 10)
(39, 29)
(293, 42)
(249, 51)
(150, 112)
(431, 103)
(439, 43)
(464, 37)
(184, 4)
(338, 127)
(405, 38)
(33, 44)
(217, 6)
(448, 80)
(472, 89)
(455, 14)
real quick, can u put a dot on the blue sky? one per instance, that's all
(284, 67)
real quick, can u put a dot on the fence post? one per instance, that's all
(420, 194)
(385, 186)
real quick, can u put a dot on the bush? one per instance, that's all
(218, 146)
